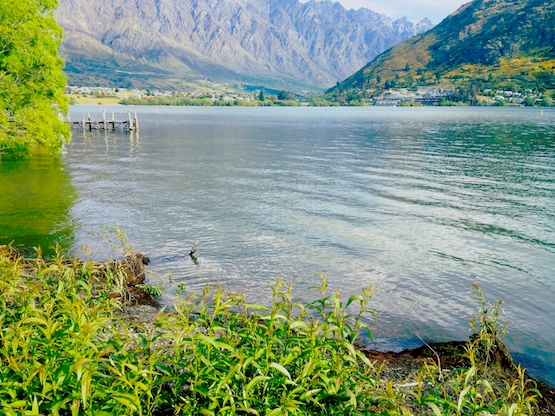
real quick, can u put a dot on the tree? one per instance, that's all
(31, 79)
(547, 102)
(285, 95)
(261, 96)
(438, 76)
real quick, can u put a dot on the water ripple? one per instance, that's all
(420, 202)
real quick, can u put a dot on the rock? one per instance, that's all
(254, 41)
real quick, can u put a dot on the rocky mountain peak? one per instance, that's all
(269, 42)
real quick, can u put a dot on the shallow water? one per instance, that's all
(419, 202)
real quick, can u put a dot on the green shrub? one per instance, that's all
(66, 349)
(231, 357)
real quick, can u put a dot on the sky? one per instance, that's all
(415, 10)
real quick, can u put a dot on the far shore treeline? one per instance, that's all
(184, 100)
(31, 79)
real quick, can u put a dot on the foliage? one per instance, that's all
(323, 102)
(473, 390)
(286, 359)
(410, 104)
(65, 350)
(466, 94)
(285, 95)
(154, 291)
(31, 79)
(183, 100)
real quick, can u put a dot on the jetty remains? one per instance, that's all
(86, 123)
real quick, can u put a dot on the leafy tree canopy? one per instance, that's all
(285, 95)
(31, 79)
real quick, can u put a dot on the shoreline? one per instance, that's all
(138, 321)
(398, 367)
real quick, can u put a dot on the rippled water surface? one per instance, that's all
(418, 202)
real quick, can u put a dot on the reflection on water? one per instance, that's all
(419, 202)
(35, 202)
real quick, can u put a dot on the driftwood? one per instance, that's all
(193, 249)
(132, 268)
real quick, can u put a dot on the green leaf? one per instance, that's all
(254, 382)
(18, 404)
(462, 398)
(435, 409)
(212, 341)
(249, 410)
(299, 324)
(49, 269)
(281, 369)
(126, 399)
(353, 298)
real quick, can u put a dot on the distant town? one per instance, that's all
(422, 96)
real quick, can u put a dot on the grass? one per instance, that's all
(66, 350)
(91, 100)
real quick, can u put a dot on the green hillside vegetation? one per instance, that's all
(208, 100)
(31, 79)
(486, 44)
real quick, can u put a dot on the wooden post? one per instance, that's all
(84, 125)
(136, 122)
(113, 121)
(90, 122)
(104, 118)
(130, 124)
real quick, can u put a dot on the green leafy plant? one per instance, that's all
(31, 80)
(155, 291)
(68, 348)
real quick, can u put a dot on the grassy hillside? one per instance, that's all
(495, 44)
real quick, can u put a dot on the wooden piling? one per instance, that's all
(132, 122)
(129, 120)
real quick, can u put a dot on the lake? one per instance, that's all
(419, 202)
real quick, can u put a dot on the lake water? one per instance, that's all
(419, 202)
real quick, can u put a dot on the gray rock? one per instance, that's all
(270, 42)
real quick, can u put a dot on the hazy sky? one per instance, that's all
(415, 10)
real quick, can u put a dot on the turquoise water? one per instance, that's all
(419, 202)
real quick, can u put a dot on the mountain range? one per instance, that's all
(275, 43)
(505, 44)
